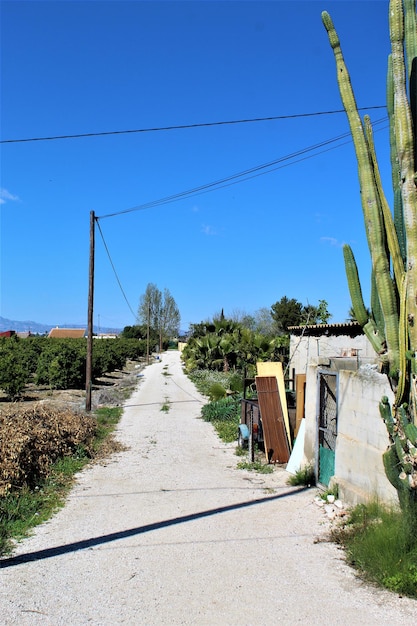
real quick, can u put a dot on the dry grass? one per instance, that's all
(32, 438)
(47, 425)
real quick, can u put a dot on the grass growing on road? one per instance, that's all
(21, 509)
(255, 466)
(166, 406)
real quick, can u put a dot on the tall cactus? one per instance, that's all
(392, 239)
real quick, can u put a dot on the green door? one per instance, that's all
(327, 426)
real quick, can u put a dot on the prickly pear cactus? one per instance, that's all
(392, 239)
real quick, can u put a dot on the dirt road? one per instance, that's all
(170, 532)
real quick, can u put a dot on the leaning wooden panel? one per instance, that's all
(275, 436)
(300, 388)
(274, 368)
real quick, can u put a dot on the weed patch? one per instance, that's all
(205, 379)
(378, 543)
(303, 476)
(166, 406)
(224, 414)
(255, 466)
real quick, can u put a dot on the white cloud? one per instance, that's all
(208, 230)
(5, 196)
(332, 241)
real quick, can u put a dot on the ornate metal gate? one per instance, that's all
(327, 426)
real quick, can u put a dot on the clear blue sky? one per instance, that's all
(93, 66)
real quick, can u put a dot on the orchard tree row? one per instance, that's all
(60, 363)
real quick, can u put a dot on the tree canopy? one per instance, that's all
(290, 312)
(159, 311)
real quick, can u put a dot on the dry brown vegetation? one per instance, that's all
(33, 438)
(47, 425)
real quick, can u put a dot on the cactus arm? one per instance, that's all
(403, 343)
(371, 210)
(405, 148)
(410, 37)
(385, 412)
(355, 290)
(358, 305)
(395, 167)
(377, 314)
(393, 245)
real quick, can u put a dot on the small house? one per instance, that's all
(338, 389)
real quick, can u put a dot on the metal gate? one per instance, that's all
(327, 426)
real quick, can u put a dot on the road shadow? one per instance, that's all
(75, 546)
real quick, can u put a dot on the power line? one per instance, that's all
(114, 269)
(248, 174)
(184, 126)
(231, 180)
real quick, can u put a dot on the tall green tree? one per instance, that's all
(287, 312)
(134, 332)
(391, 325)
(290, 312)
(159, 311)
(169, 323)
(150, 306)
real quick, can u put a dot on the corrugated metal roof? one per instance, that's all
(352, 329)
(324, 326)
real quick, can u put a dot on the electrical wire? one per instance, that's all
(209, 187)
(184, 126)
(248, 174)
(114, 269)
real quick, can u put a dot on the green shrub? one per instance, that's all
(204, 379)
(61, 365)
(14, 369)
(225, 409)
(216, 392)
(224, 414)
(236, 382)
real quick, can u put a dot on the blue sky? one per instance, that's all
(71, 68)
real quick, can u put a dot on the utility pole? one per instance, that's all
(89, 360)
(147, 333)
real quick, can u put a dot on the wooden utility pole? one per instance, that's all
(147, 333)
(89, 361)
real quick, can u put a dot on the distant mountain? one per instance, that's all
(22, 327)
(41, 329)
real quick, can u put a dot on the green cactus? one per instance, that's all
(392, 241)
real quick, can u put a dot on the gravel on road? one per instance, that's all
(170, 532)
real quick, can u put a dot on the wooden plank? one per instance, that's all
(274, 368)
(300, 399)
(275, 436)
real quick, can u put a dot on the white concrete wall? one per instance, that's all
(304, 349)
(362, 436)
